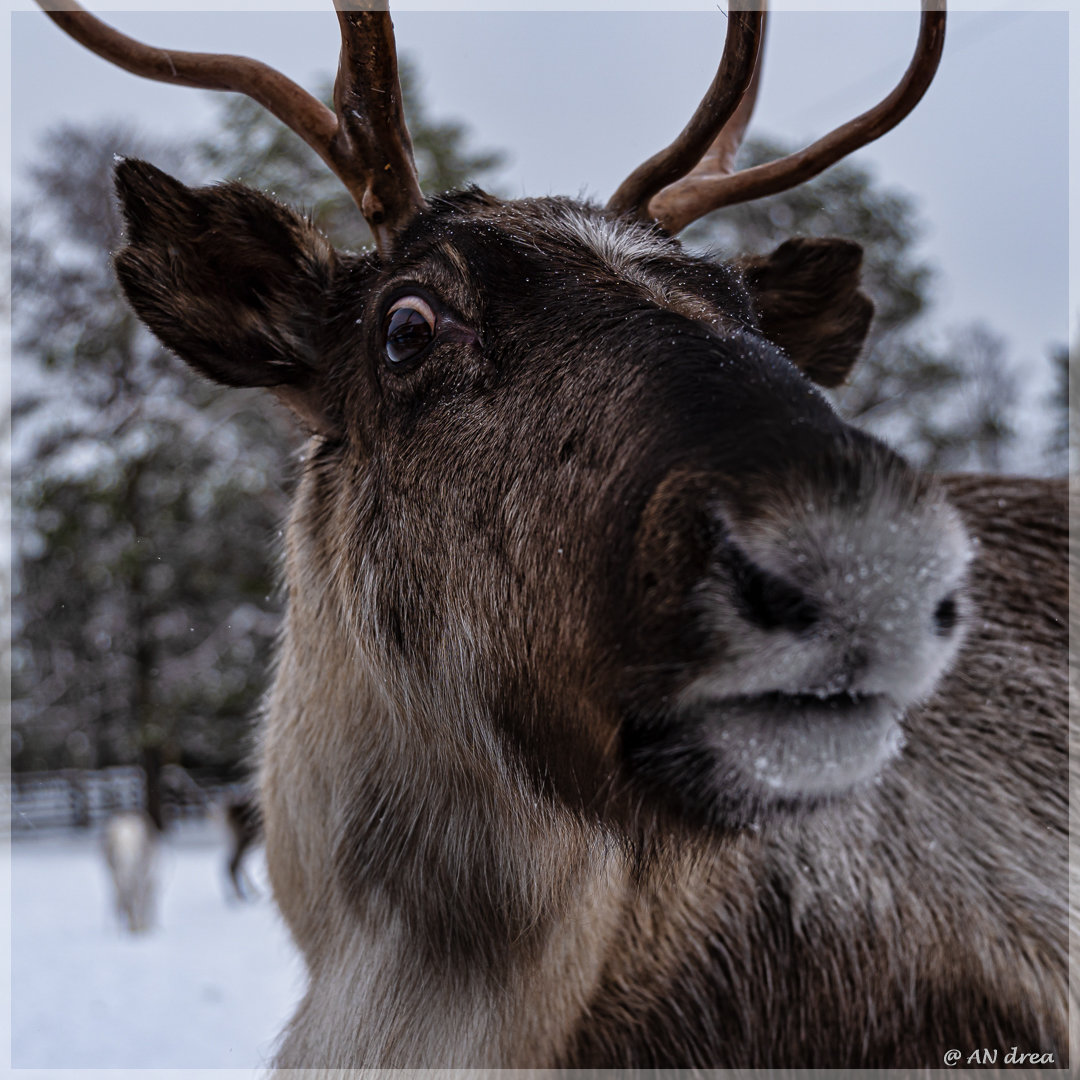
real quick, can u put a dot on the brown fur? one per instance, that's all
(806, 291)
(929, 914)
(501, 819)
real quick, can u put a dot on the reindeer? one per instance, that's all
(243, 830)
(130, 845)
(631, 708)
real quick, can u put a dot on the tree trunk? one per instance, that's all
(148, 734)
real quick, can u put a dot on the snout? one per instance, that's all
(827, 601)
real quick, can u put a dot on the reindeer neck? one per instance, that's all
(412, 859)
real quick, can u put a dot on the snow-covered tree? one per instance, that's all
(145, 501)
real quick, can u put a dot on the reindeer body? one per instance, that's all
(129, 844)
(594, 758)
(603, 636)
(483, 928)
(632, 709)
(465, 898)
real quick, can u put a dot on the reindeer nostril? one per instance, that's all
(945, 615)
(776, 605)
(769, 601)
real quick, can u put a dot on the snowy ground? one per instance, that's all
(210, 987)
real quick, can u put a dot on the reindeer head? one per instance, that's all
(569, 484)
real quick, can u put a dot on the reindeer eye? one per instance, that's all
(408, 330)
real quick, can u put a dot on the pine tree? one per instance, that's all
(145, 501)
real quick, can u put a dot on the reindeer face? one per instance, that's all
(579, 486)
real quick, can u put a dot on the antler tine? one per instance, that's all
(720, 157)
(372, 131)
(369, 149)
(720, 104)
(713, 184)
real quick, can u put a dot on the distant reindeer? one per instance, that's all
(243, 827)
(130, 846)
(632, 708)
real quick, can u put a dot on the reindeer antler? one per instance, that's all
(365, 143)
(708, 125)
(676, 198)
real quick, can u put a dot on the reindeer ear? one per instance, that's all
(231, 281)
(806, 296)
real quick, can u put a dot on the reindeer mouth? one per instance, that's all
(736, 760)
(781, 746)
(836, 704)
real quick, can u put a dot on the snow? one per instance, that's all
(211, 986)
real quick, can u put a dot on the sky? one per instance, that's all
(578, 98)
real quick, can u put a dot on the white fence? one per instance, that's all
(75, 798)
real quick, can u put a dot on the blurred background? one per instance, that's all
(147, 505)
